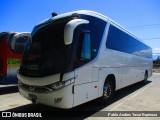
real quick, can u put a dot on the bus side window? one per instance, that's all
(19, 45)
(85, 39)
(84, 52)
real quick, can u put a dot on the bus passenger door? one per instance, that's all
(85, 88)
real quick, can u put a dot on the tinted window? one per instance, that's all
(46, 54)
(20, 44)
(121, 41)
(96, 28)
(86, 46)
(2, 36)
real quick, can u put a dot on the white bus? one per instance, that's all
(79, 56)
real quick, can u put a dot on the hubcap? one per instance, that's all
(107, 91)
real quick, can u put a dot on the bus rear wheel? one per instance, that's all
(145, 81)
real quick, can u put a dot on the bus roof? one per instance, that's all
(94, 14)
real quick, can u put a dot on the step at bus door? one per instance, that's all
(85, 88)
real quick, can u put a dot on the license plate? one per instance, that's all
(32, 96)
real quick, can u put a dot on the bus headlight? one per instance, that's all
(58, 85)
(46, 88)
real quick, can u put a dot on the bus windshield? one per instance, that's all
(46, 53)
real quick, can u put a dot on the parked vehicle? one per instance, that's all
(11, 50)
(79, 56)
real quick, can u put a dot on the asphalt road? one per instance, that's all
(137, 97)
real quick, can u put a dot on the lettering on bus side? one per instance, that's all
(13, 61)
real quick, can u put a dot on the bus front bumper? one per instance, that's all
(62, 98)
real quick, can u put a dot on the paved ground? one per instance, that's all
(136, 97)
(156, 69)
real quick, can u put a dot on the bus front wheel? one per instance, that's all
(108, 91)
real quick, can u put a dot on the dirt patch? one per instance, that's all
(13, 105)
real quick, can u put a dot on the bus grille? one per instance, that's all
(31, 88)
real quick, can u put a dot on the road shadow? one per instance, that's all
(8, 89)
(80, 112)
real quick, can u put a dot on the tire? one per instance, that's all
(108, 91)
(145, 81)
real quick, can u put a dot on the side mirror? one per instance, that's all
(18, 42)
(69, 29)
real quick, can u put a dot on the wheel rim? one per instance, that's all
(107, 91)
